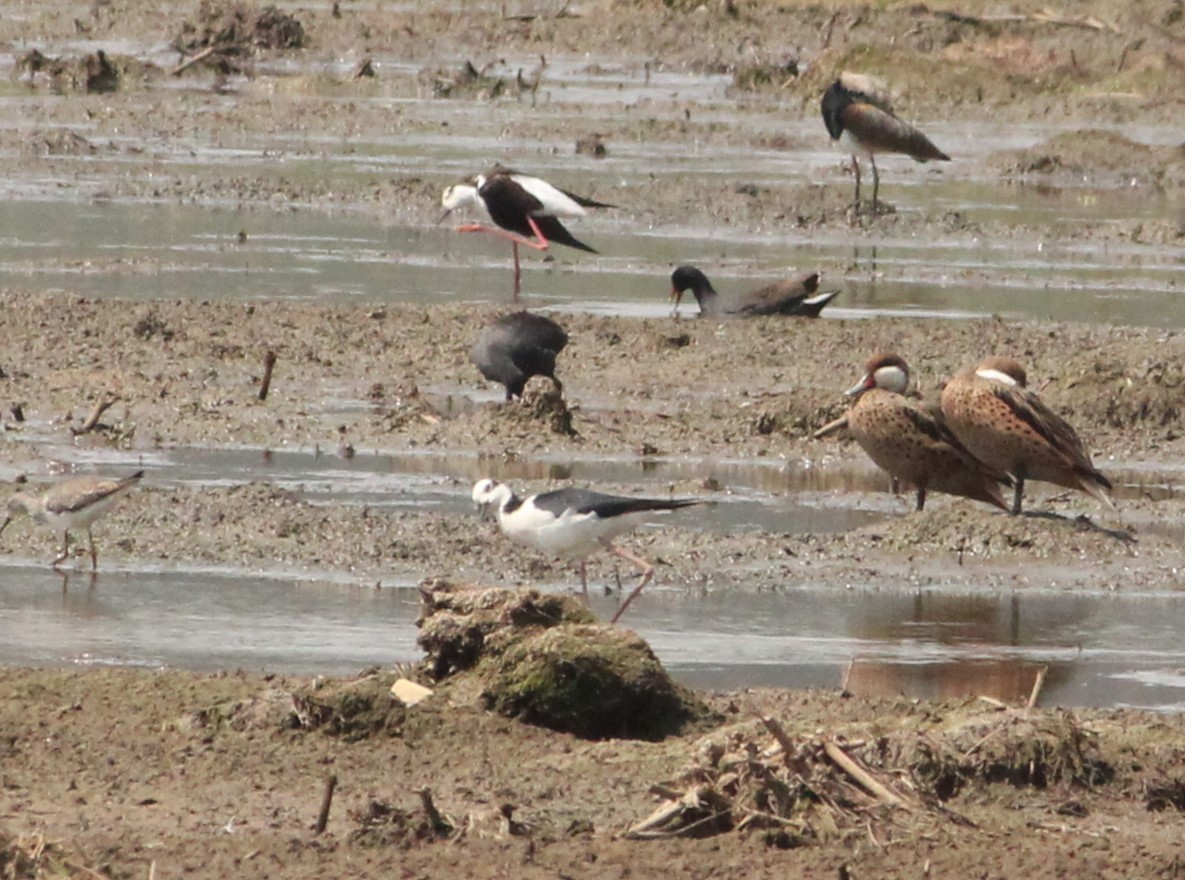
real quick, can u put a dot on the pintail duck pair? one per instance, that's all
(524, 209)
(911, 442)
(989, 431)
(795, 296)
(858, 113)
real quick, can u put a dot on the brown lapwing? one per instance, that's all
(515, 347)
(910, 442)
(524, 209)
(1010, 429)
(574, 523)
(794, 296)
(859, 114)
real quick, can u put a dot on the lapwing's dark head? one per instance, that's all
(687, 278)
(889, 372)
(835, 99)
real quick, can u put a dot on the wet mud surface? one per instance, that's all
(125, 769)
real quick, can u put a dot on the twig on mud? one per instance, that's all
(90, 872)
(831, 427)
(265, 384)
(195, 59)
(779, 733)
(326, 803)
(847, 675)
(1089, 22)
(441, 826)
(92, 421)
(1045, 16)
(828, 29)
(701, 797)
(846, 763)
(1038, 683)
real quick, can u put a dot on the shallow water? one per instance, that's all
(1096, 649)
(64, 230)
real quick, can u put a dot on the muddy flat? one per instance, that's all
(223, 183)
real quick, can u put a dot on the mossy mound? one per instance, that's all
(354, 710)
(594, 681)
(456, 622)
(544, 660)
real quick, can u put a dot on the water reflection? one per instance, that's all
(1097, 649)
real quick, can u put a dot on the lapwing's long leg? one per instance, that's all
(94, 551)
(876, 181)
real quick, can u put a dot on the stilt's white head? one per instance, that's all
(490, 496)
(459, 195)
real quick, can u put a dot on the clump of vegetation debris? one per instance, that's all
(810, 787)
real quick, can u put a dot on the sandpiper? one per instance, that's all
(574, 523)
(859, 114)
(1009, 428)
(794, 296)
(515, 347)
(910, 442)
(526, 209)
(69, 505)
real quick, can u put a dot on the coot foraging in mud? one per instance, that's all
(513, 348)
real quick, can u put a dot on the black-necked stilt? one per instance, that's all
(858, 113)
(574, 523)
(526, 209)
(72, 504)
(513, 348)
(794, 296)
(1010, 428)
(911, 442)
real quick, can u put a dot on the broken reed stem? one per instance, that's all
(269, 364)
(326, 803)
(194, 59)
(92, 420)
(844, 762)
(1038, 683)
(847, 676)
(439, 824)
(778, 732)
(831, 427)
